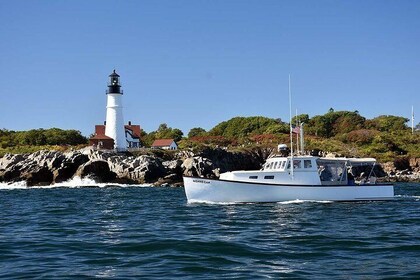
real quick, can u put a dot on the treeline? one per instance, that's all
(345, 132)
(348, 133)
(41, 137)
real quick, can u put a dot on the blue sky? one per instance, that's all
(196, 63)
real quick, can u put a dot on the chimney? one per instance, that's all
(129, 122)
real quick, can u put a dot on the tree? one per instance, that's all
(162, 127)
(240, 127)
(39, 137)
(333, 123)
(302, 118)
(165, 132)
(148, 138)
(176, 134)
(389, 123)
(196, 131)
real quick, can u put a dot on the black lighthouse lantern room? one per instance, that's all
(114, 86)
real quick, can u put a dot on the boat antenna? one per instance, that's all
(297, 134)
(412, 119)
(291, 132)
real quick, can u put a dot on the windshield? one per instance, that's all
(332, 170)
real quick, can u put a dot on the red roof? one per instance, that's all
(134, 128)
(101, 137)
(162, 142)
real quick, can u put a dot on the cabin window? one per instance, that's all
(253, 177)
(307, 163)
(271, 165)
(269, 177)
(297, 163)
(275, 165)
(283, 163)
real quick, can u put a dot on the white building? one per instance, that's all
(114, 113)
(132, 134)
(166, 144)
(113, 134)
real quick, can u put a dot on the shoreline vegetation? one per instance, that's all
(48, 156)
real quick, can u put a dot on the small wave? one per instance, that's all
(403, 197)
(13, 186)
(296, 201)
(75, 182)
(198, 201)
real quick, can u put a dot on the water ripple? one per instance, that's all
(131, 232)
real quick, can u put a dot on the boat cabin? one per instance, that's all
(306, 170)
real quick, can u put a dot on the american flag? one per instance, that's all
(296, 129)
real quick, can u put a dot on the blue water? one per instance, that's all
(152, 233)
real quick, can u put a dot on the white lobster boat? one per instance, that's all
(286, 178)
(308, 178)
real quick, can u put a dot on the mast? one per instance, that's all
(291, 130)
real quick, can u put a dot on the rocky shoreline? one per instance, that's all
(158, 168)
(152, 167)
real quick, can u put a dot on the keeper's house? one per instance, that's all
(165, 144)
(101, 141)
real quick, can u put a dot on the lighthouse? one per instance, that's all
(114, 113)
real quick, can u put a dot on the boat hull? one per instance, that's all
(224, 191)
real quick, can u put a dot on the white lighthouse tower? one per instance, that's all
(114, 113)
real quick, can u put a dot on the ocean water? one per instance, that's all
(83, 230)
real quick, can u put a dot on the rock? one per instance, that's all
(402, 163)
(173, 166)
(12, 174)
(30, 172)
(50, 159)
(9, 160)
(216, 172)
(97, 170)
(68, 166)
(146, 169)
(45, 167)
(173, 169)
(198, 166)
(415, 164)
(120, 165)
(37, 176)
(388, 167)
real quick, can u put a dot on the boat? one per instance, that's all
(288, 178)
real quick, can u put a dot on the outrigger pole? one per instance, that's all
(291, 129)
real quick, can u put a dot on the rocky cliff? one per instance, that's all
(161, 168)
(49, 167)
